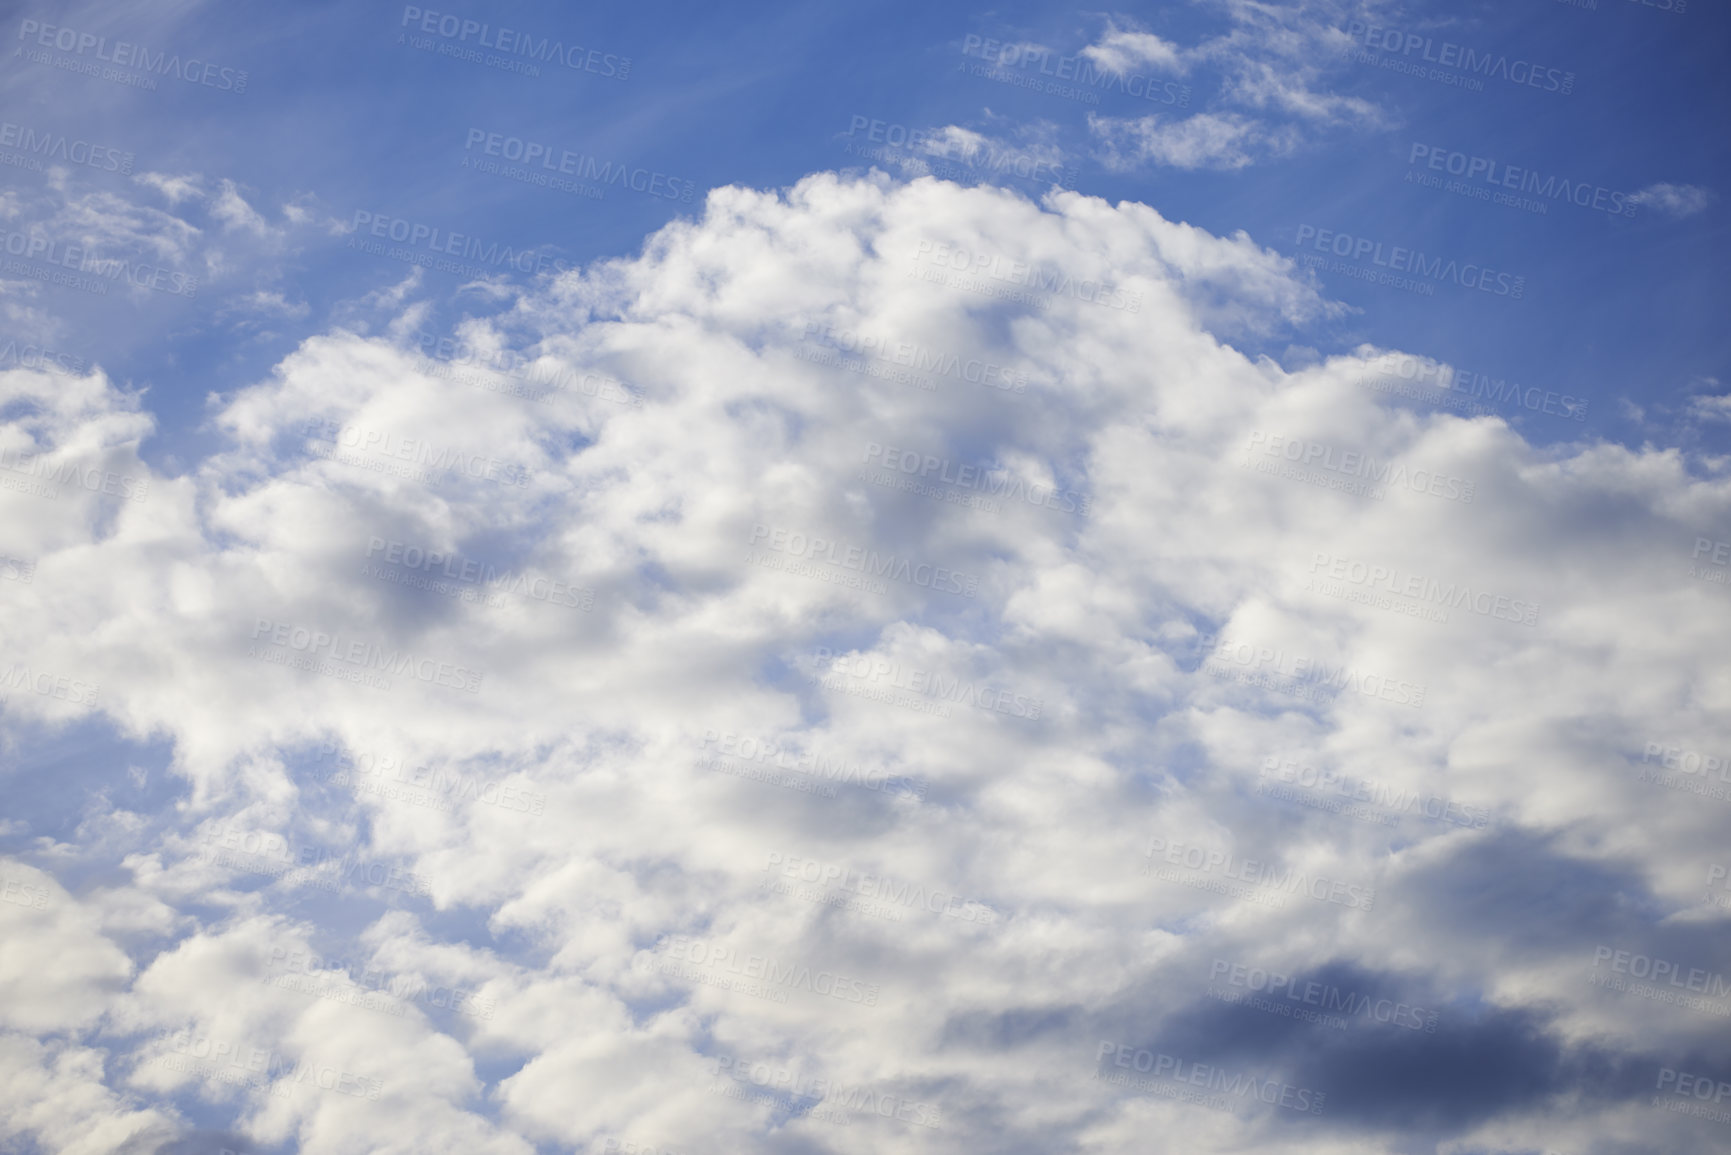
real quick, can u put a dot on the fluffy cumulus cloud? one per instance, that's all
(878, 670)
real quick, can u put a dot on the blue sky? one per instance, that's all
(761, 97)
(492, 543)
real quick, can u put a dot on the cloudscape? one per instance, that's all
(671, 579)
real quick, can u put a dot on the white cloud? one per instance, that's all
(268, 303)
(119, 243)
(1205, 140)
(1277, 58)
(693, 641)
(54, 1093)
(1674, 200)
(1274, 67)
(1711, 406)
(187, 186)
(59, 968)
(232, 210)
(1122, 51)
(967, 156)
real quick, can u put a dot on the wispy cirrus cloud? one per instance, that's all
(1273, 66)
(1674, 200)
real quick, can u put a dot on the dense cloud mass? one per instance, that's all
(889, 667)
